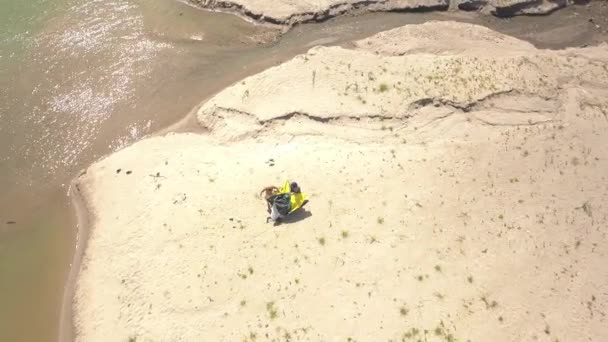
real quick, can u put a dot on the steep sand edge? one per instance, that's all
(420, 221)
(289, 13)
(293, 12)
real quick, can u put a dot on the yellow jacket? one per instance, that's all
(296, 199)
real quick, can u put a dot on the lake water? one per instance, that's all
(80, 79)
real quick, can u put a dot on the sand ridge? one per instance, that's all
(288, 13)
(455, 195)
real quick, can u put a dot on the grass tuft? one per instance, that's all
(272, 310)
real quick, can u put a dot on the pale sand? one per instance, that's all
(456, 194)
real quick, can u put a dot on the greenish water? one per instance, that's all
(18, 21)
(19, 17)
(80, 79)
(32, 266)
(30, 285)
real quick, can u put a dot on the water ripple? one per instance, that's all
(85, 67)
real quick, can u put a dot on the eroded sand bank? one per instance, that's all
(292, 12)
(458, 192)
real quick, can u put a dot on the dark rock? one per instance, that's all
(527, 7)
(471, 5)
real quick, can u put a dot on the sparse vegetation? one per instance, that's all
(383, 87)
(272, 310)
(489, 304)
(575, 161)
(441, 331)
(344, 234)
(321, 241)
(586, 208)
(380, 220)
(413, 332)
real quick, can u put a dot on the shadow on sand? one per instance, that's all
(297, 216)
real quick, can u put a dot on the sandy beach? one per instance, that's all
(457, 184)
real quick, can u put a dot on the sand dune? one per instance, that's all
(458, 185)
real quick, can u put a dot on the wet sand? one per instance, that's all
(36, 251)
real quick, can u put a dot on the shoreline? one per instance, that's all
(337, 9)
(83, 218)
(322, 15)
(188, 123)
(173, 233)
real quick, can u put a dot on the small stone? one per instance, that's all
(118, 170)
(129, 172)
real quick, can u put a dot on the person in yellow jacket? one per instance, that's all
(284, 201)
